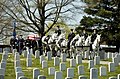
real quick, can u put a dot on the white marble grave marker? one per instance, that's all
(79, 59)
(81, 70)
(103, 71)
(62, 66)
(58, 75)
(97, 60)
(111, 67)
(70, 72)
(63, 57)
(44, 64)
(72, 62)
(37, 54)
(90, 64)
(93, 73)
(56, 61)
(36, 73)
(51, 71)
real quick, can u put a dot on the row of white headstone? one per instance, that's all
(17, 66)
(78, 60)
(3, 64)
(73, 62)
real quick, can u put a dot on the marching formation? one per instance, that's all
(75, 44)
(58, 43)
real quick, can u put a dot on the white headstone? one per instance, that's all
(93, 73)
(28, 50)
(41, 59)
(2, 71)
(72, 62)
(58, 75)
(25, 53)
(17, 56)
(31, 51)
(3, 65)
(41, 77)
(3, 60)
(79, 59)
(44, 64)
(63, 57)
(56, 61)
(97, 60)
(87, 54)
(82, 77)
(113, 55)
(111, 67)
(28, 56)
(17, 63)
(37, 54)
(118, 57)
(1, 76)
(62, 66)
(81, 70)
(13, 51)
(90, 64)
(29, 62)
(109, 55)
(36, 73)
(102, 54)
(70, 72)
(4, 56)
(115, 61)
(105, 56)
(51, 70)
(103, 71)
(49, 55)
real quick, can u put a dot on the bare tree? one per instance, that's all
(5, 23)
(34, 15)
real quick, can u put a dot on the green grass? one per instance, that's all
(10, 72)
(108, 59)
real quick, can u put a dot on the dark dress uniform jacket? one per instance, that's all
(13, 43)
(93, 37)
(70, 37)
(58, 32)
(28, 43)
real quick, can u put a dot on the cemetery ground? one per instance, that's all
(28, 71)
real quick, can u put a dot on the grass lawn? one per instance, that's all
(10, 72)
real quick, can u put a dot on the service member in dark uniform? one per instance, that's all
(58, 31)
(34, 45)
(93, 37)
(28, 43)
(84, 34)
(21, 44)
(13, 43)
(71, 35)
